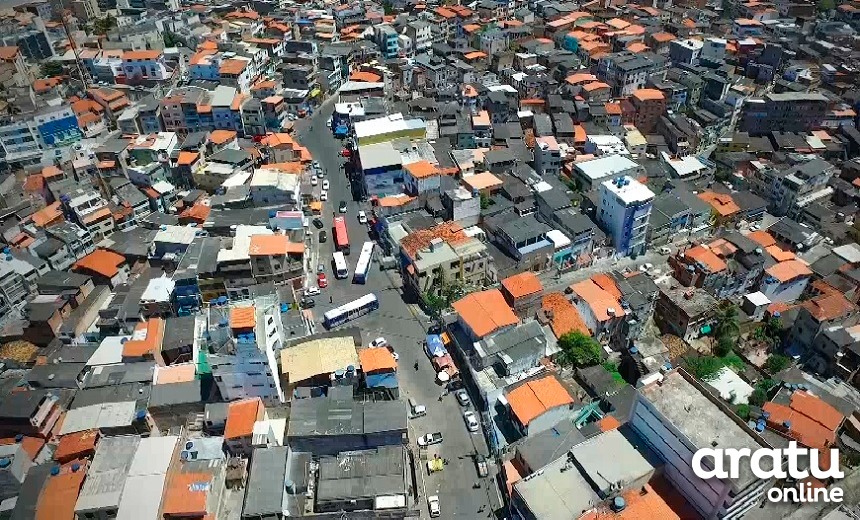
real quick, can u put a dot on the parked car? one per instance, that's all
(433, 506)
(362, 217)
(324, 194)
(463, 398)
(314, 180)
(312, 291)
(665, 250)
(323, 237)
(322, 282)
(429, 439)
(321, 268)
(472, 423)
(379, 342)
(318, 223)
(416, 410)
(481, 464)
(342, 207)
(325, 184)
(307, 303)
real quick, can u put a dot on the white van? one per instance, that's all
(416, 410)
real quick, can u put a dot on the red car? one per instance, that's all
(322, 282)
(345, 153)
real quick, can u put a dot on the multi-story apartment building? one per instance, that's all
(441, 255)
(13, 70)
(785, 112)
(547, 156)
(422, 37)
(40, 138)
(624, 213)
(649, 105)
(139, 66)
(626, 72)
(789, 191)
(275, 259)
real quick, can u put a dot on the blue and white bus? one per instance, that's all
(350, 311)
(363, 265)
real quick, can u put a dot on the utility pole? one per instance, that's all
(85, 80)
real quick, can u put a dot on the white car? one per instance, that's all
(325, 184)
(314, 180)
(362, 217)
(471, 421)
(324, 195)
(462, 398)
(379, 342)
(312, 291)
(433, 506)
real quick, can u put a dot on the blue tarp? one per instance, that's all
(386, 380)
(435, 347)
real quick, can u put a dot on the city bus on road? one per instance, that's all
(341, 239)
(350, 311)
(363, 265)
(341, 270)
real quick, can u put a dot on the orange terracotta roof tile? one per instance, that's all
(451, 232)
(198, 212)
(222, 136)
(762, 238)
(422, 169)
(522, 284)
(76, 445)
(481, 181)
(580, 77)
(146, 339)
(32, 446)
(829, 306)
(59, 496)
(608, 423)
(532, 399)
(187, 158)
(722, 203)
(273, 245)
(96, 215)
(656, 499)
(34, 183)
(564, 317)
(648, 94)
(377, 359)
(181, 373)
(365, 76)
(663, 37)
(605, 282)
(598, 300)
(141, 55)
(476, 55)
(485, 312)
(789, 270)
(779, 254)
(46, 84)
(243, 318)
(706, 258)
(594, 85)
(241, 416)
(47, 215)
(101, 261)
(187, 494)
(8, 53)
(232, 66)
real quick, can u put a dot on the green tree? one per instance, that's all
(579, 350)
(103, 25)
(776, 363)
(773, 328)
(485, 201)
(49, 69)
(758, 397)
(743, 411)
(434, 304)
(727, 322)
(826, 5)
(724, 346)
(170, 39)
(388, 8)
(705, 368)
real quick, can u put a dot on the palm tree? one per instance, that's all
(727, 321)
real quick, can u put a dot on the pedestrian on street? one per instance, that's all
(331, 299)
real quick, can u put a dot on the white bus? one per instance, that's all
(350, 311)
(363, 265)
(341, 270)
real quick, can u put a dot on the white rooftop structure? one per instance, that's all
(502, 88)
(683, 166)
(389, 124)
(557, 238)
(238, 179)
(731, 387)
(605, 145)
(163, 187)
(107, 475)
(175, 235)
(276, 179)
(758, 299)
(242, 243)
(630, 191)
(102, 415)
(158, 290)
(849, 252)
(109, 351)
(379, 155)
(607, 166)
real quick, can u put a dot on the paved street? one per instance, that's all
(402, 326)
